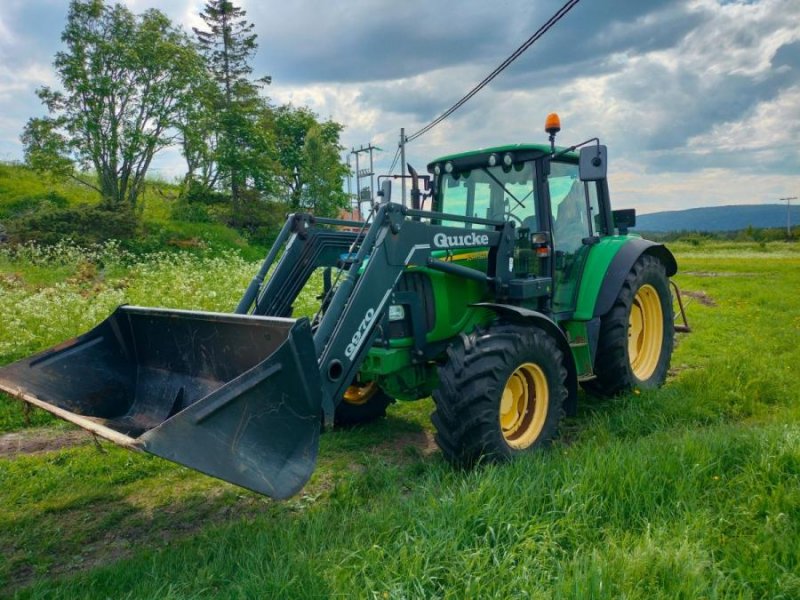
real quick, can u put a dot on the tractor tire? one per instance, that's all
(361, 404)
(636, 335)
(501, 394)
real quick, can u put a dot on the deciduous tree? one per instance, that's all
(199, 130)
(124, 79)
(310, 168)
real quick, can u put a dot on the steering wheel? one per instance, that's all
(511, 216)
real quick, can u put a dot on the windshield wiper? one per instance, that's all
(500, 183)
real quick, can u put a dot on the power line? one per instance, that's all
(394, 160)
(569, 5)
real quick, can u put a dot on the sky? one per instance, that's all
(697, 100)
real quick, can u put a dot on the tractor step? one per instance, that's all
(583, 359)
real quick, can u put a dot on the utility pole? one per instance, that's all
(350, 185)
(403, 164)
(788, 201)
(363, 174)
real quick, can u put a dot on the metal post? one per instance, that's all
(403, 164)
(349, 185)
(358, 180)
(371, 176)
(365, 173)
(788, 201)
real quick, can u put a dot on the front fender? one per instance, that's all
(525, 315)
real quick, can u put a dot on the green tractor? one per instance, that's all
(517, 286)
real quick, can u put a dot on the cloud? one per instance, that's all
(765, 141)
(697, 99)
(650, 80)
(315, 41)
(652, 103)
(653, 192)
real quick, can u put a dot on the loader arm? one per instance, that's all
(394, 241)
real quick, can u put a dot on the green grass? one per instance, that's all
(23, 190)
(691, 491)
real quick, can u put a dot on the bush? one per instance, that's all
(260, 220)
(83, 224)
(191, 212)
(33, 203)
(195, 193)
(256, 219)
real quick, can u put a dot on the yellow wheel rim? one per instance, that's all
(523, 406)
(360, 394)
(645, 332)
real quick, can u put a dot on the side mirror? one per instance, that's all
(593, 163)
(385, 192)
(624, 219)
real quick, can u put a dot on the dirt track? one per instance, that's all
(40, 439)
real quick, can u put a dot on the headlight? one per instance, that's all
(448, 167)
(492, 160)
(397, 312)
(508, 159)
(437, 170)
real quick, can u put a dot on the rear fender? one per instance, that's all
(621, 265)
(519, 314)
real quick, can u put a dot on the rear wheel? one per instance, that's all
(362, 403)
(501, 393)
(636, 336)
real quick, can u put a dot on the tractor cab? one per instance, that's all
(539, 189)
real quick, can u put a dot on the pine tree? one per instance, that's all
(228, 45)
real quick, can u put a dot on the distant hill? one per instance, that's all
(718, 218)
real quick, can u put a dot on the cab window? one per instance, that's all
(572, 224)
(495, 193)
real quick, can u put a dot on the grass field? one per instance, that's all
(692, 491)
(23, 190)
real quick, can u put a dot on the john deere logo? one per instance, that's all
(441, 240)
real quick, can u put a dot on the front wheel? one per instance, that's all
(501, 394)
(636, 335)
(362, 404)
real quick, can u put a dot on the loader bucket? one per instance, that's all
(235, 396)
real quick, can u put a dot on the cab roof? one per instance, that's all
(543, 148)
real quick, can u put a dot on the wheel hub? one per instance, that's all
(360, 394)
(523, 406)
(645, 332)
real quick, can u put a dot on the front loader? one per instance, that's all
(517, 286)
